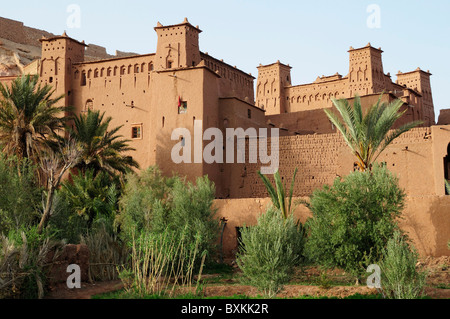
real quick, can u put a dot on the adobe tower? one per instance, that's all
(178, 46)
(58, 56)
(272, 79)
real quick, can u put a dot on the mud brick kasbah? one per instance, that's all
(152, 94)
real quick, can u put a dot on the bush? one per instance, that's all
(269, 251)
(153, 203)
(160, 262)
(84, 203)
(20, 194)
(23, 257)
(353, 220)
(399, 277)
(107, 253)
(140, 195)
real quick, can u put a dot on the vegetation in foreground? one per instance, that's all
(157, 233)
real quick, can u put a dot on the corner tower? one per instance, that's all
(270, 93)
(366, 75)
(419, 81)
(178, 46)
(58, 55)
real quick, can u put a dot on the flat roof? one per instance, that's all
(114, 59)
(185, 22)
(222, 62)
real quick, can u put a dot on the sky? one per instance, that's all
(311, 36)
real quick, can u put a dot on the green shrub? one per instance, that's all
(83, 203)
(20, 194)
(269, 251)
(160, 263)
(353, 220)
(153, 203)
(189, 211)
(107, 253)
(23, 257)
(141, 193)
(399, 277)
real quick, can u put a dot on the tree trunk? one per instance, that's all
(48, 208)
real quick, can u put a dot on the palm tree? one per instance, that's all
(277, 193)
(91, 196)
(368, 135)
(102, 148)
(28, 116)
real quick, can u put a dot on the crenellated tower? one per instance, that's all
(178, 46)
(419, 81)
(366, 75)
(58, 55)
(270, 93)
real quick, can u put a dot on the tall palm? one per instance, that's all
(102, 148)
(368, 135)
(28, 116)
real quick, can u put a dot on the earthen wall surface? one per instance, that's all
(424, 219)
(320, 158)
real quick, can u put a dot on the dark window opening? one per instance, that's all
(89, 105)
(50, 79)
(136, 131)
(83, 79)
(447, 167)
(249, 113)
(182, 107)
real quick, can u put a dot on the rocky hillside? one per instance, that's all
(19, 46)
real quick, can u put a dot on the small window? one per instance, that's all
(182, 107)
(83, 79)
(249, 113)
(136, 132)
(169, 64)
(89, 106)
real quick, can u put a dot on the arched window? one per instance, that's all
(108, 72)
(89, 105)
(150, 66)
(83, 78)
(96, 73)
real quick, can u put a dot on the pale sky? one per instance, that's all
(312, 36)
